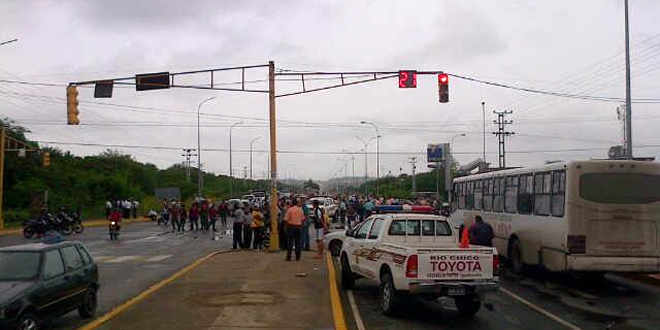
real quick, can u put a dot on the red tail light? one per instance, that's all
(496, 264)
(411, 266)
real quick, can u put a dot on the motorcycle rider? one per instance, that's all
(115, 216)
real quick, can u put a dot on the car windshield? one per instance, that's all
(19, 265)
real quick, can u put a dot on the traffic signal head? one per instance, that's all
(72, 105)
(443, 87)
(46, 159)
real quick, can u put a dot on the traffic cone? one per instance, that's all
(465, 239)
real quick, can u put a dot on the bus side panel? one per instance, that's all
(554, 260)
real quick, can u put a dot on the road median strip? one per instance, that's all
(148, 292)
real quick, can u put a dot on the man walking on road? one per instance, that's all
(305, 227)
(294, 219)
(247, 227)
(239, 218)
(320, 226)
(481, 233)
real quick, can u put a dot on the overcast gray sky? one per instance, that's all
(567, 46)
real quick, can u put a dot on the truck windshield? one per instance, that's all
(19, 265)
(620, 188)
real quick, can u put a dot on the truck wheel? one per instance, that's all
(347, 278)
(88, 307)
(515, 257)
(388, 295)
(468, 305)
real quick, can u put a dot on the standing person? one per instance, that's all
(222, 209)
(194, 216)
(351, 216)
(182, 217)
(247, 227)
(108, 209)
(174, 213)
(134, 206)
(342, 212)
(239, 218)
(282, 209)
(317, 216)
(257, 228)
(481, 233)
(305, 227)
(213, 215)
(294, 219)
(204, 215)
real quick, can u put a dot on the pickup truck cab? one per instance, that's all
(418, 254)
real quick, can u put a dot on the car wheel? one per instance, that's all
(335, 248)
(29, 321)
(88, 307)
(347, 278)
(468, 305)
(389, 298)
(515, 257)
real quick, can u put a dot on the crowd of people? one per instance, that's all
(127, 207)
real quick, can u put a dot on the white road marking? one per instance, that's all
(158, 258)
(122, 259)
(102, 258)
(356, 312)
(540, 310)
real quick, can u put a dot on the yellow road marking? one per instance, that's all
(540, 310)
(117, 310)
(337, 311)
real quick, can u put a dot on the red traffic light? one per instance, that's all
(407, 79)
(443, 78)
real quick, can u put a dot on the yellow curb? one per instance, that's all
(144, 294)
(337, 310)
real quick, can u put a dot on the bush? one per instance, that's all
(16, 216)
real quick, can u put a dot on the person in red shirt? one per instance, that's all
(213, 216)
(194, 217)
(115, 216)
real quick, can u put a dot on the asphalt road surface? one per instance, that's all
(144, 255)
(611, 302)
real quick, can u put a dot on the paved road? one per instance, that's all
(144, 255)
(609, 303)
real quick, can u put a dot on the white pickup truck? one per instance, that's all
(418, 254)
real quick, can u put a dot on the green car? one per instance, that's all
(39, 282)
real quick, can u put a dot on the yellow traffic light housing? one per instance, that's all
(72, 105)
(46, 159)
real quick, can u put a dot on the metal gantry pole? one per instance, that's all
(274, 235)
(629, 151)
(2, 172)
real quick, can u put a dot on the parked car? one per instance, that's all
(327, 204)
(418, 254)
(39, 282)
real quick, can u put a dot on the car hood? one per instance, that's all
(10, 289)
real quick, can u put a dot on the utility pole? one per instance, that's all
(502, 134)
(2, 172)
(629, 151)
(483, 117)
(188, 154)
(413, 163)
(274, 236)
(251, 143)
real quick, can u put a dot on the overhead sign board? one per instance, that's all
(436, 153)
(149, 81)
(103, 89)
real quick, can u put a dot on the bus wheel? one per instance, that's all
(515, 257)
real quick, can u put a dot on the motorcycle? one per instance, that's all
(153, 215)
(164, 218)
(76, 222)
(34, 227)
(64, 224)
(113, 229)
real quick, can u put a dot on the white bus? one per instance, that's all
(582, 216)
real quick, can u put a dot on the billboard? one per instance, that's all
(436, 153)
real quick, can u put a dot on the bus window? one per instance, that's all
(469, 197)
(498, 195)
(478, 195)
(488, 194)
(558, 193)
(461, 196)
(525, 194)
(542, 190)
(511, 194)
(620, 188)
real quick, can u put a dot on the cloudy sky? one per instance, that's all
(564, 46)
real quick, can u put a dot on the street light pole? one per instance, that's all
(252, 142)
(483, 116)
(448, 162)
(377, 152)
(629, 151)
(366, 175)
(231, 170)
(199, 149)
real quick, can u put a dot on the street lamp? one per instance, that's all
(366, 176)
(448, 164)
(252, 142)
(231, 169)
(377, 151)
(199, 149)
